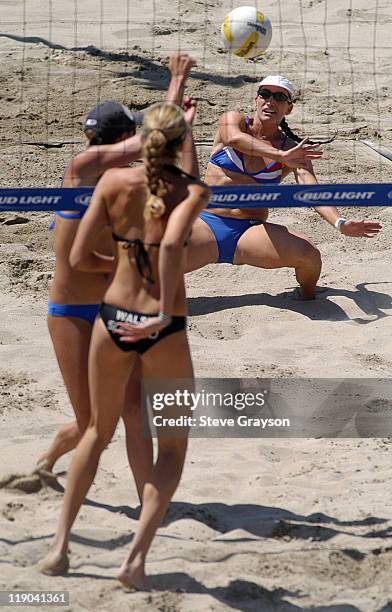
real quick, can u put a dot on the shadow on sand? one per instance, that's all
(321, 309)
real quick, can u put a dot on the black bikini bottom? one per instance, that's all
(112, 315)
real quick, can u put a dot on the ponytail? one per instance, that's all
(286, 129)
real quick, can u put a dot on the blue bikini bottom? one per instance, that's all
(87, 312)
(227, 232)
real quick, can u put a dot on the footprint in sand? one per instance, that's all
(11, 509)
(20, 482)
(31, 483)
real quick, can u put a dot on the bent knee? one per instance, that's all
(99, 439)
(308, 253)
(83, 422)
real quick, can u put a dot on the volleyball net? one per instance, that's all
(60, 59)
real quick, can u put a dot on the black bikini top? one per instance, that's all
(178, 171)
(143, 262)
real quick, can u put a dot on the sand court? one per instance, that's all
(256, 524)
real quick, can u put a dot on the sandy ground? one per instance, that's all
(271, 524)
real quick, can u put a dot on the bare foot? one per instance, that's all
(54, 564)
(301, 294)
(132, 577)
(43, 470)
(43, 464)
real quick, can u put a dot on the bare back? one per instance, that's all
(125, 196)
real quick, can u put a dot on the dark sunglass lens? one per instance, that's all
(264, 93)
(280, 97)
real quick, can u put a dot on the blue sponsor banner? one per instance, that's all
(298, 196)
(50, 199)
(237, 196)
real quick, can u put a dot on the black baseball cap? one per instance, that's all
(111, 119)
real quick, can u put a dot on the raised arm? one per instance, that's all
(95, 160)
(349, 227)
(233, 132)
(189, 161)
(83, 254)
(180, 65)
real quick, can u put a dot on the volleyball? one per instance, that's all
(246, 31)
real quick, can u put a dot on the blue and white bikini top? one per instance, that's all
(230, 159)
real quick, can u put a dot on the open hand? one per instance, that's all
(360, 229)
(299, 155)
(132, 332)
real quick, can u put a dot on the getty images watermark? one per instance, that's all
(198, 401)
(277, 408)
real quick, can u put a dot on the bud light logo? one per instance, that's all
(339, 195)
(83, 199)
(390, 195)
(312, 196)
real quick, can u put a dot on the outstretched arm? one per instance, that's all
(233, 132)
(349, 227)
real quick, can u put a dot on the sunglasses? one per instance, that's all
(278, 96)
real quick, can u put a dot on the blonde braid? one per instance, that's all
(164, 127)
(154, 146)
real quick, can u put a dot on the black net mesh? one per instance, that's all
(59, 59)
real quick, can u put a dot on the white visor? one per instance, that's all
(279, 81)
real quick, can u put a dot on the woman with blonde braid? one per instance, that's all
(151, 210)
(75, 296)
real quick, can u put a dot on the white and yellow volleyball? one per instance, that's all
(246, 31)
